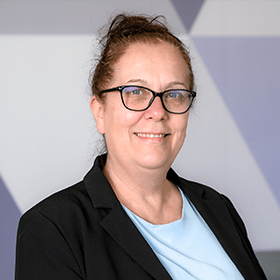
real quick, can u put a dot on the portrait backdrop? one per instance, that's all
(48, 135)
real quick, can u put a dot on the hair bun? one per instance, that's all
(124, 25)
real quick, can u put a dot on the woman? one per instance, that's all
(132, 217)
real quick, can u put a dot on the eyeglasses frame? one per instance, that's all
(155, 94)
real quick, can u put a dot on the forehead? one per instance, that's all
(151, 61)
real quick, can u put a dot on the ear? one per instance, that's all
(97, 109)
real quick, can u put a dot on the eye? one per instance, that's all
(175, 94)
(133, 90)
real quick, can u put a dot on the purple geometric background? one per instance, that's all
(9, 215)
(247, 73)
(246, 96)
(188, 10)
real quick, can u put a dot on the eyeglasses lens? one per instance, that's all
(136, 98)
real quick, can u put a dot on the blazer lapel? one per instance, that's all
(123, 231)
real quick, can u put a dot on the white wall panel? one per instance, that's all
(238, 18)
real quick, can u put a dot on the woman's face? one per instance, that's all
(152, 138)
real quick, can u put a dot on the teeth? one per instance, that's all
(150, 135)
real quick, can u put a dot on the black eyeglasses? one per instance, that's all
(138, 98)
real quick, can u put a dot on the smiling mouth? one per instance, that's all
(151, 135)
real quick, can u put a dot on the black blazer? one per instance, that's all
(82, 232)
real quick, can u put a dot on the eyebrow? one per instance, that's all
(175, 83)
(144, 82)
(137, 81)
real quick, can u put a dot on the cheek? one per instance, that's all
(127, 119)
(119, 124)
(181, 124)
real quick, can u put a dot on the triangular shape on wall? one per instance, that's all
(188, 10)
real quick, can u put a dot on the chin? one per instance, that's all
(153, 162)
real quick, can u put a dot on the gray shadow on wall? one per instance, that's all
(270, 262)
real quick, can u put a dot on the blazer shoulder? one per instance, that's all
(200, 189)
(62, 205)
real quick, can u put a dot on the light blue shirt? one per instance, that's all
(187, 248)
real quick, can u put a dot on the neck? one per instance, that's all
(144, 191)
(140, 179)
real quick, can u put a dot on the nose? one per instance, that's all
(156, 110)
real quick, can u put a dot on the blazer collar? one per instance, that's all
(98, 187)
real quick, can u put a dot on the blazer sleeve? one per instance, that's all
(42, 251)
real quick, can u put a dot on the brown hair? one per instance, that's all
(123, 31)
